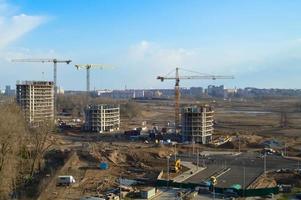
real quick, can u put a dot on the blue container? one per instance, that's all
(103, 165)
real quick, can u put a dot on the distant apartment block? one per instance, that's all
(197, 124)
(216, 91)
(8, 91)
(36, 99)
(102, 118)
(148, 93)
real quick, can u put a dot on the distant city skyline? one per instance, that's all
(259, 42)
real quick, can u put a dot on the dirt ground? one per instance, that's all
(125, 160)
(253, 120)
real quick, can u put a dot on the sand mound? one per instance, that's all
(250, 141)
(116, 157)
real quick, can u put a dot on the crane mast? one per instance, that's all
(177, 100)
(177, 79)
(54, 61)
(88, 67)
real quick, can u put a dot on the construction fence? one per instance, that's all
(218, 190)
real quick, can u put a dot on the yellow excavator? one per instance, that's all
(213, 180)
(177, 166)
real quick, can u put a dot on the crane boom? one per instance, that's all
(213, 77)
(48, 60)
(177, 78)
(88, 67)
(42, 60)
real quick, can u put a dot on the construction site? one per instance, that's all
(166, 149)
(235, 156)
(157, 100)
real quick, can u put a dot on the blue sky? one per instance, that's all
(259, 42)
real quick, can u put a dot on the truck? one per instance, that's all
(65, 180)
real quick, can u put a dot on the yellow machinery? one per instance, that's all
(177, 165)
(213, 180)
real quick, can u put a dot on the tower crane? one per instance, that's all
(88, 67)
(177, 78)
(54, 61)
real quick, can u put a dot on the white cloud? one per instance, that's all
(152, 54)
(15, 25)
(206, 60)
(215, 59)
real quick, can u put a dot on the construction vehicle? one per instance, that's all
(177, 166)
(65, 180)
(88, 67)
(213, 180)
(177, 78)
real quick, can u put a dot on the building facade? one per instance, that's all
(36, 99)
(102, 118)
(197, 124)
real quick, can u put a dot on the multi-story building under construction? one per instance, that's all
(36, 99)
(102, 118)
(197, 123)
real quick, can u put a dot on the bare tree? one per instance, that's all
(41, 141)
(12, 134)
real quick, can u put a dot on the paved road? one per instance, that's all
(236, 175)
(193, 169)
(204, 175)
(253, 165)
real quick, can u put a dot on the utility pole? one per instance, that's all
(264, 163)
(119, 187)
(175, 152)
(238, 143)
(197, 160)
(193, 141)
(168, 157)
(244, 187)
(213, 192)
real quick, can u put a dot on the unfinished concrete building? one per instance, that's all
(36, 99)
(197, 124)
(102, 118)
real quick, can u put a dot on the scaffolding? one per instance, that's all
(36, 99)
(197, 124)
